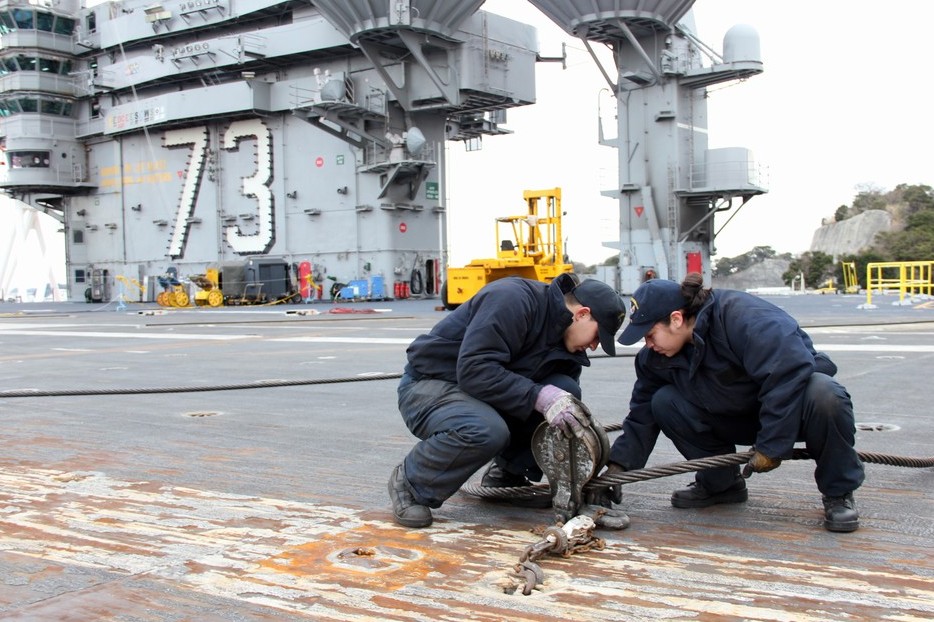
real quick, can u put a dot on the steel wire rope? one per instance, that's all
(675, 468)
(597, 482)
(603, 481)
(257, 384)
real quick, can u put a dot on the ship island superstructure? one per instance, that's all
(671, 184)
(172, 137)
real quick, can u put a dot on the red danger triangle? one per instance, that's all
(639, 209)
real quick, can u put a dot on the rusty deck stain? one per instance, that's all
(131, 508)
(337, 563)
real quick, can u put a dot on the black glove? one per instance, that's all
(760, 463)
(606, 497)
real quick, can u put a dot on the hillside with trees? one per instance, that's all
(909, 238)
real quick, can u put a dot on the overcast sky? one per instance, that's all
(842, 104)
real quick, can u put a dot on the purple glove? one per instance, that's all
(561, 411)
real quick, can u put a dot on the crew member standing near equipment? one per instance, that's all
(478, 385)
(721, 368)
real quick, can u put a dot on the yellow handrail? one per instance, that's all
(908, 277)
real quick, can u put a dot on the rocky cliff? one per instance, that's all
(847, 237)
(767, 273)
(852, 235)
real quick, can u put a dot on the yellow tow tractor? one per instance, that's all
(210, 294)
(173, 292)
(828, 287)
(529, 245)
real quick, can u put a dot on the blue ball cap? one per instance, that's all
(653, 301)
(606, 306)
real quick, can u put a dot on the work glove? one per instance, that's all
(760, 463)
(562, 411)
(606, 497)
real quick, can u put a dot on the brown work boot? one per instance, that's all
(840, 513)
(405, 509)
(696, 496)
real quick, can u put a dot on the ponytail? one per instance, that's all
(695, 294)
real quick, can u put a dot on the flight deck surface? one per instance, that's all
(211, 479)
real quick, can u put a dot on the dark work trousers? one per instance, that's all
(459, 434)
(827, 428)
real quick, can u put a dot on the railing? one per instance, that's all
(376, 156)
(906, 277)
(736, 174)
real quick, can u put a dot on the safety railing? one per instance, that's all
(905, 277)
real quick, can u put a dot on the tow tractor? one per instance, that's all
(210, 294)
(528, 245)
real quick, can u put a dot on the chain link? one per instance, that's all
(575, 536)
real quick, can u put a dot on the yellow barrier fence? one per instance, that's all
(906, 277)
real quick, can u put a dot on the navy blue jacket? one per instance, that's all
(501, 343)
(749, 359)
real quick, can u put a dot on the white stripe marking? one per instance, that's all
(68, 333)
(847, 347)
(829, 347)
(364, 340)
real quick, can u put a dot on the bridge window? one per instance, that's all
(45, 64)
(24, 19)
(51, 106)
(49, 65)
(46, 105)
(64, 26)
(44, 21)
(6, 22)
(28, 104)
(29, 159)
(27, 63)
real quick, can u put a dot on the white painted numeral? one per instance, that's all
(256, 186)
(197, 137)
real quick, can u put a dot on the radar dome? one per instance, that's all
(741, 43)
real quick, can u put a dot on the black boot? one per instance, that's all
(696, 496)
(496, 477)
(840, 513)
(405, 509)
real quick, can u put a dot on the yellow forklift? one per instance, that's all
(529, 245)
(850, 282)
